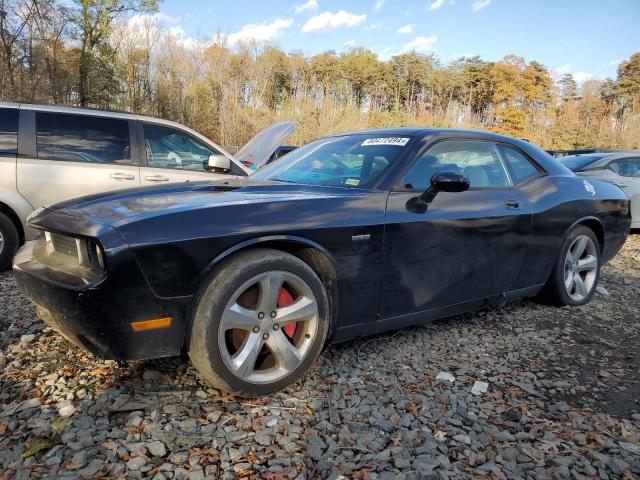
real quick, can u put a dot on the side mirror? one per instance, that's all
(449, 181)
(444, 181)
(219, 163)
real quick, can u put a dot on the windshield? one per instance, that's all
(578, 162)
(348, 161)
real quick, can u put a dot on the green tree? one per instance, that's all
(93, 20)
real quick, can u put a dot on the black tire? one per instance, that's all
(554, 292)
(210, 303)
(11, 241)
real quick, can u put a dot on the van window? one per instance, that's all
(9, 130)
(82, 138)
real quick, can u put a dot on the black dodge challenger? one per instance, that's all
(350, 235)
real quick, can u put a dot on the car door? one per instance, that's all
(73, 155)
(467, 245)
(171, 155)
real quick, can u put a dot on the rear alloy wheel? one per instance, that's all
(575, 275)
(260, 323)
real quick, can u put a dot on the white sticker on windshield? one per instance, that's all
(399, 141)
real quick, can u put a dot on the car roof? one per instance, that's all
(428, 131)
(604, 158)
(96, 112)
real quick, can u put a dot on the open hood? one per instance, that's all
(260, 148)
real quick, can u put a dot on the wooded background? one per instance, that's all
(116, 54)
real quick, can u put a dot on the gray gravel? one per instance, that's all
(562, 402)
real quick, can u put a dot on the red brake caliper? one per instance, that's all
(284, 299)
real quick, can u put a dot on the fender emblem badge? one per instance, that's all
(361, 238)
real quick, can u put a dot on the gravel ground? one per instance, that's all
(562, 402)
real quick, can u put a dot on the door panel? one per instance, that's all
(466, 246)
(156, 176)
(44, 182)
(172, 156)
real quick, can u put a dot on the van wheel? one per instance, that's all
(259, 323)
(575, 275)
(9, 241)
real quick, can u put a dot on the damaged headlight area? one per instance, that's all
(72, 255)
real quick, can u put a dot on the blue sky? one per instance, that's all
(587, 38)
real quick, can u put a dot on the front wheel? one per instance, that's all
(575, 276)
(260, 323)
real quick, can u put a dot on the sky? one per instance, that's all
(587, 38)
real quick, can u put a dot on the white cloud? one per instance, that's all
(142, 19)
(577, 76)
(349, 44)
(480, 4)
(406, 28)
(331, 21)
(582, 76)
(435, 5)
(563, 69)
(373, 26)
(615, 63)
(310, 5)
(420, 44)
(378, 5)
(260, 32)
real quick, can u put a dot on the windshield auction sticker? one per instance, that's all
(399, 141)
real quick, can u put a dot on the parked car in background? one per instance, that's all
(350, 235)
(49, 154)
(619, 168)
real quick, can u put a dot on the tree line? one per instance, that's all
(117, 54)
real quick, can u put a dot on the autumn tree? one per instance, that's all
(94, 20)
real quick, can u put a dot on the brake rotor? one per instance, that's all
(284, 299)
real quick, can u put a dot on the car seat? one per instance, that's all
(477, 175)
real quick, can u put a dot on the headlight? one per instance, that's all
(74, 252)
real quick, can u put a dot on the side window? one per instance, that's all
(82, 138)
(627, 167)
(170, 148)
(479, 161)
(521, 168)
(8, 130)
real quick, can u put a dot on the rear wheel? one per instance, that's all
(9, 241)
(575, 276)
(260, 323)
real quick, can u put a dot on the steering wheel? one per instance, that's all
(175, 158)
(338, 166)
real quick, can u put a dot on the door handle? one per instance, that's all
(122, 176)
(514, 204)
(157, 178)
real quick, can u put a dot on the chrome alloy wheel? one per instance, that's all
(580, 268)
(1, 242)
(268, 327)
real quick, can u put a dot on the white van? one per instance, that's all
(49, 154)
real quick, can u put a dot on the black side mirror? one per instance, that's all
(445, 181)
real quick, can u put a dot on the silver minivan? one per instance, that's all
(49, 154)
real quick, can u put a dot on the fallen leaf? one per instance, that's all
(69, 465)
(38, 444)
(3, 428)
(100, 372)
(59, 425)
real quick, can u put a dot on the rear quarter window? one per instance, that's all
(82, 138)
(8, 131)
